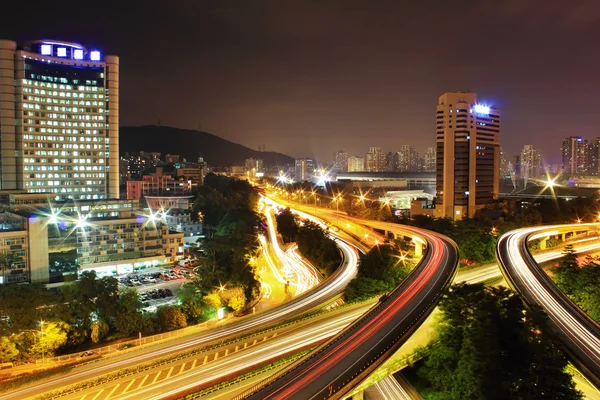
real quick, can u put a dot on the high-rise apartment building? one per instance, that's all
(593, 167)
(429, 160)
(408, 159)
(304, 169)
(356, 164)
(574, 156)
(340, 161)
(59, 120)
(531, 164)
(375, 160)
(468, 155)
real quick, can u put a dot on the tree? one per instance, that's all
(129, 318)
(234, 298)
(170, 318)
(21, 306)
(489, 347)
(567, 272)
(53, 337)
(287, 225)
(98, 331)
(8, 350)
(360, 289)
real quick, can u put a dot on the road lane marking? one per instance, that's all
(169, 373)
(156, 377)
(128, 386)
(142, 382)
(205, 360)
(84, 396)
(182, 368)
(112, 391)
(194, 363)
(98, 394)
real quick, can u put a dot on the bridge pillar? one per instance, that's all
(543, 243)
(563, 236)
(359, 396)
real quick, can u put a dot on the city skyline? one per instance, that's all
(340, 85)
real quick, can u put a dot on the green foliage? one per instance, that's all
(287, 225)
(99, 331)
(580, 283)
(318, 248)
(360, 289)
(234, 298)
(129, 318)
(21, 306)
(379, 271)
(232, 225)
(8, 350)
(53, 337)
(170, 318)
(490, 348)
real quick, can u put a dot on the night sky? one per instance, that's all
(311, 77)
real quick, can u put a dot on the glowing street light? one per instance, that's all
(82, 221)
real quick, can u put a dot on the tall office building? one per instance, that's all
(468, 155)
(340, 161)
(574, 156)
(531, 164)
(356, 164)
(304, 169)
(408, 159)
(593, 167)
(59, 120)
(429, 160)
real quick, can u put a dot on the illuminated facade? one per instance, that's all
(59, 120)
(304, 169)
(356, 164)
(574, 157)
(468, 155)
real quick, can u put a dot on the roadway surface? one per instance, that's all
(579, 334)
(333, 369)
(310, 300)
(188, 372)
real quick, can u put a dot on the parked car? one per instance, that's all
(168, 292)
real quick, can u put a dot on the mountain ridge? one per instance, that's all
(192, 143)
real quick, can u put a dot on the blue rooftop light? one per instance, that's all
(481, 109)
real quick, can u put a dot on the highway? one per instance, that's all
(341, 363)
(579, 334)
(307, 301)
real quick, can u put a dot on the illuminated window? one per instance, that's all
(95, 56)
(61, 51)
(78, 54)
(46, 49)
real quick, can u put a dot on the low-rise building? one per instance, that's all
(23, 247)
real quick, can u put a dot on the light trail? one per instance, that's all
(390, 389)
(319, 296)
(579, 333)
(340, 364)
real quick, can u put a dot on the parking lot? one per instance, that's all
(156, 287)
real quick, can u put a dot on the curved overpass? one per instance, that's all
(579, 334)
(340, 364)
